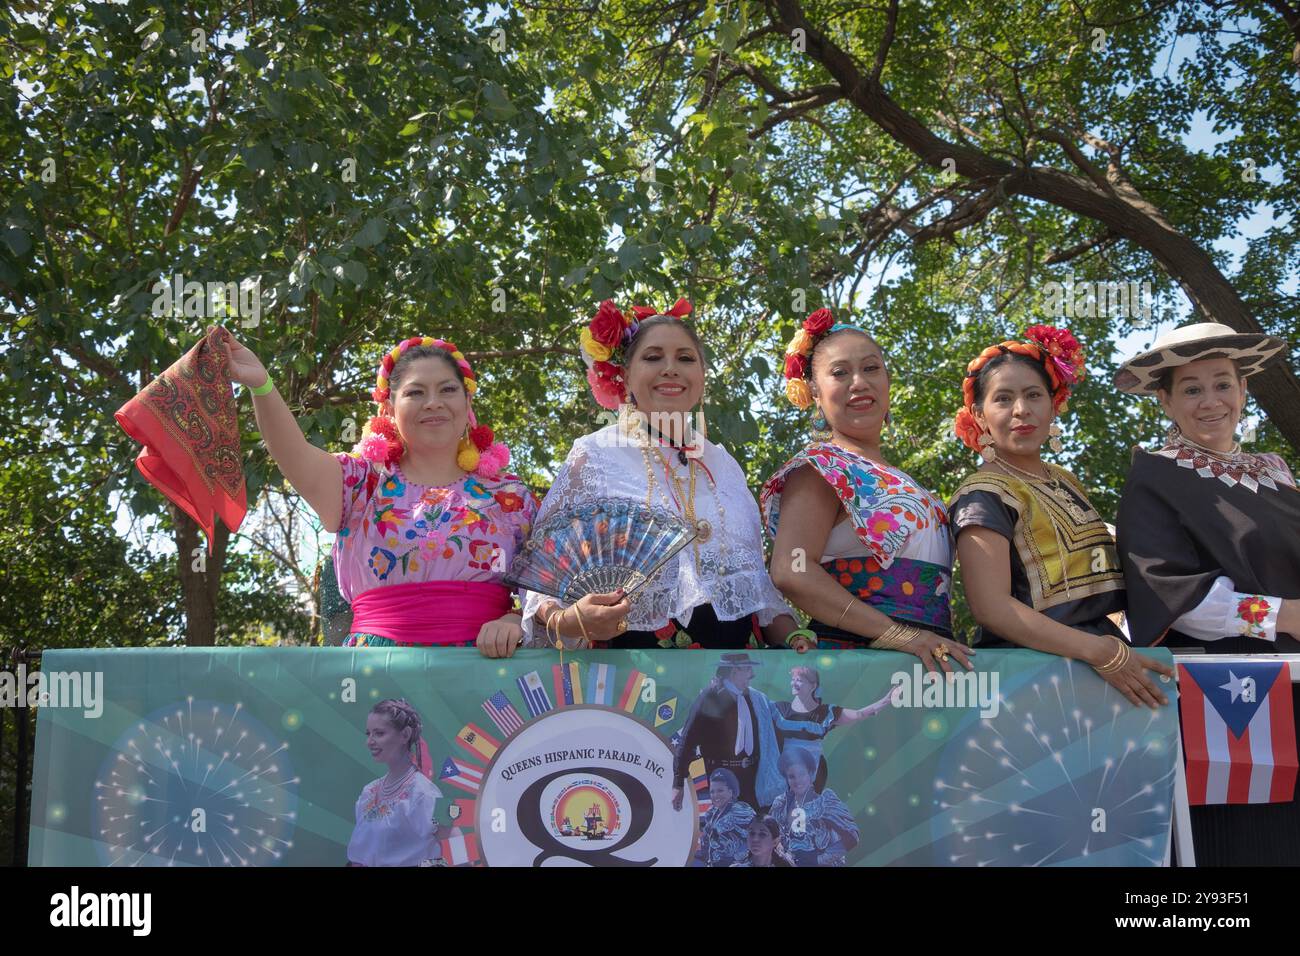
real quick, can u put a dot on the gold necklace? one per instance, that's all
(703, 529)
(1053, 486)
(1034, 484)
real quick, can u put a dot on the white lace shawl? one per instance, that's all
(733, 574)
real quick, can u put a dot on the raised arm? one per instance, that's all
(314, 473)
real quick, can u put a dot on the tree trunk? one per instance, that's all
(200, 577)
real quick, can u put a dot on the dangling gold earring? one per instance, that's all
(987, 449)
(1054, 431)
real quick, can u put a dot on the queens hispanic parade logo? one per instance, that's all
(581, 782)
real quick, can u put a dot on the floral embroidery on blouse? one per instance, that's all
(396, 532)
(885, 505)
(375, 808)
(1253, 611)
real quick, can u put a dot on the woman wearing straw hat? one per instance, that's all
(1209, 538)
(1209, 535)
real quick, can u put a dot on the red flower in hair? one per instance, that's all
(607, 326)
(795, 366)
(967, 429)
(819, 322)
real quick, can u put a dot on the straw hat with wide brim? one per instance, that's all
(1193, 343)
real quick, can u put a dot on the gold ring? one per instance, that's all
(622, 625)
(940, 653)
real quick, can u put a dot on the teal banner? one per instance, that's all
(402, 756)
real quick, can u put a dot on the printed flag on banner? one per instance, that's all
(575, 683)
(460, 849)
(461, 773)
(665, 713)
(700, 781)
(563, 685)
(600, 684)
(474, 740)
(461, 811)
(1238, 731)
(631, 695)
(534, 691)
(503, 714)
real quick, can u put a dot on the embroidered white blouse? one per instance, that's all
(396, 829)
(732, 574)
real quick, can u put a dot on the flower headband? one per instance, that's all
(604, 342)
(380, 442)
(798, 354)
(1056, 350)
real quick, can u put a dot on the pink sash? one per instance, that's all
(429, 612)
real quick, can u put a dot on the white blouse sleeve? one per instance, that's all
(1226, 612)
(577, 482)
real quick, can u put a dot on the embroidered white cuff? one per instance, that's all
(1227, 612)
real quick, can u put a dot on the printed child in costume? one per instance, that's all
(858, 544)
(426, 523)
(763, 843)
(1039, 565)
(816, 826)
(1209, 537)
(724, 828)
(395, 814)
(717, 587)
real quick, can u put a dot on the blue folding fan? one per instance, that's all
(597, 547)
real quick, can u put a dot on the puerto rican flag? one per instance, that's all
(1238, 731)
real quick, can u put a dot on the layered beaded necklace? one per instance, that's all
(388, 791)
(683, 492)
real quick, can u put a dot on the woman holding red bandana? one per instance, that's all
(426, 523)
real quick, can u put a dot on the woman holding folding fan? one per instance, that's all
(713, 591)
(426, 522)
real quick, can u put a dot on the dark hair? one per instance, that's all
(728, 779)
(401, 715)
(1165, 380)
(654, 322)
(982, 376)
(792, 755)
(403, 364)
(770, 823)
(830, 335)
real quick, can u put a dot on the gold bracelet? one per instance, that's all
(895, 637)
(582, 625)
(1118, 661)
(844, 612)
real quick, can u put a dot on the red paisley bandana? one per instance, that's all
(186, 422)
